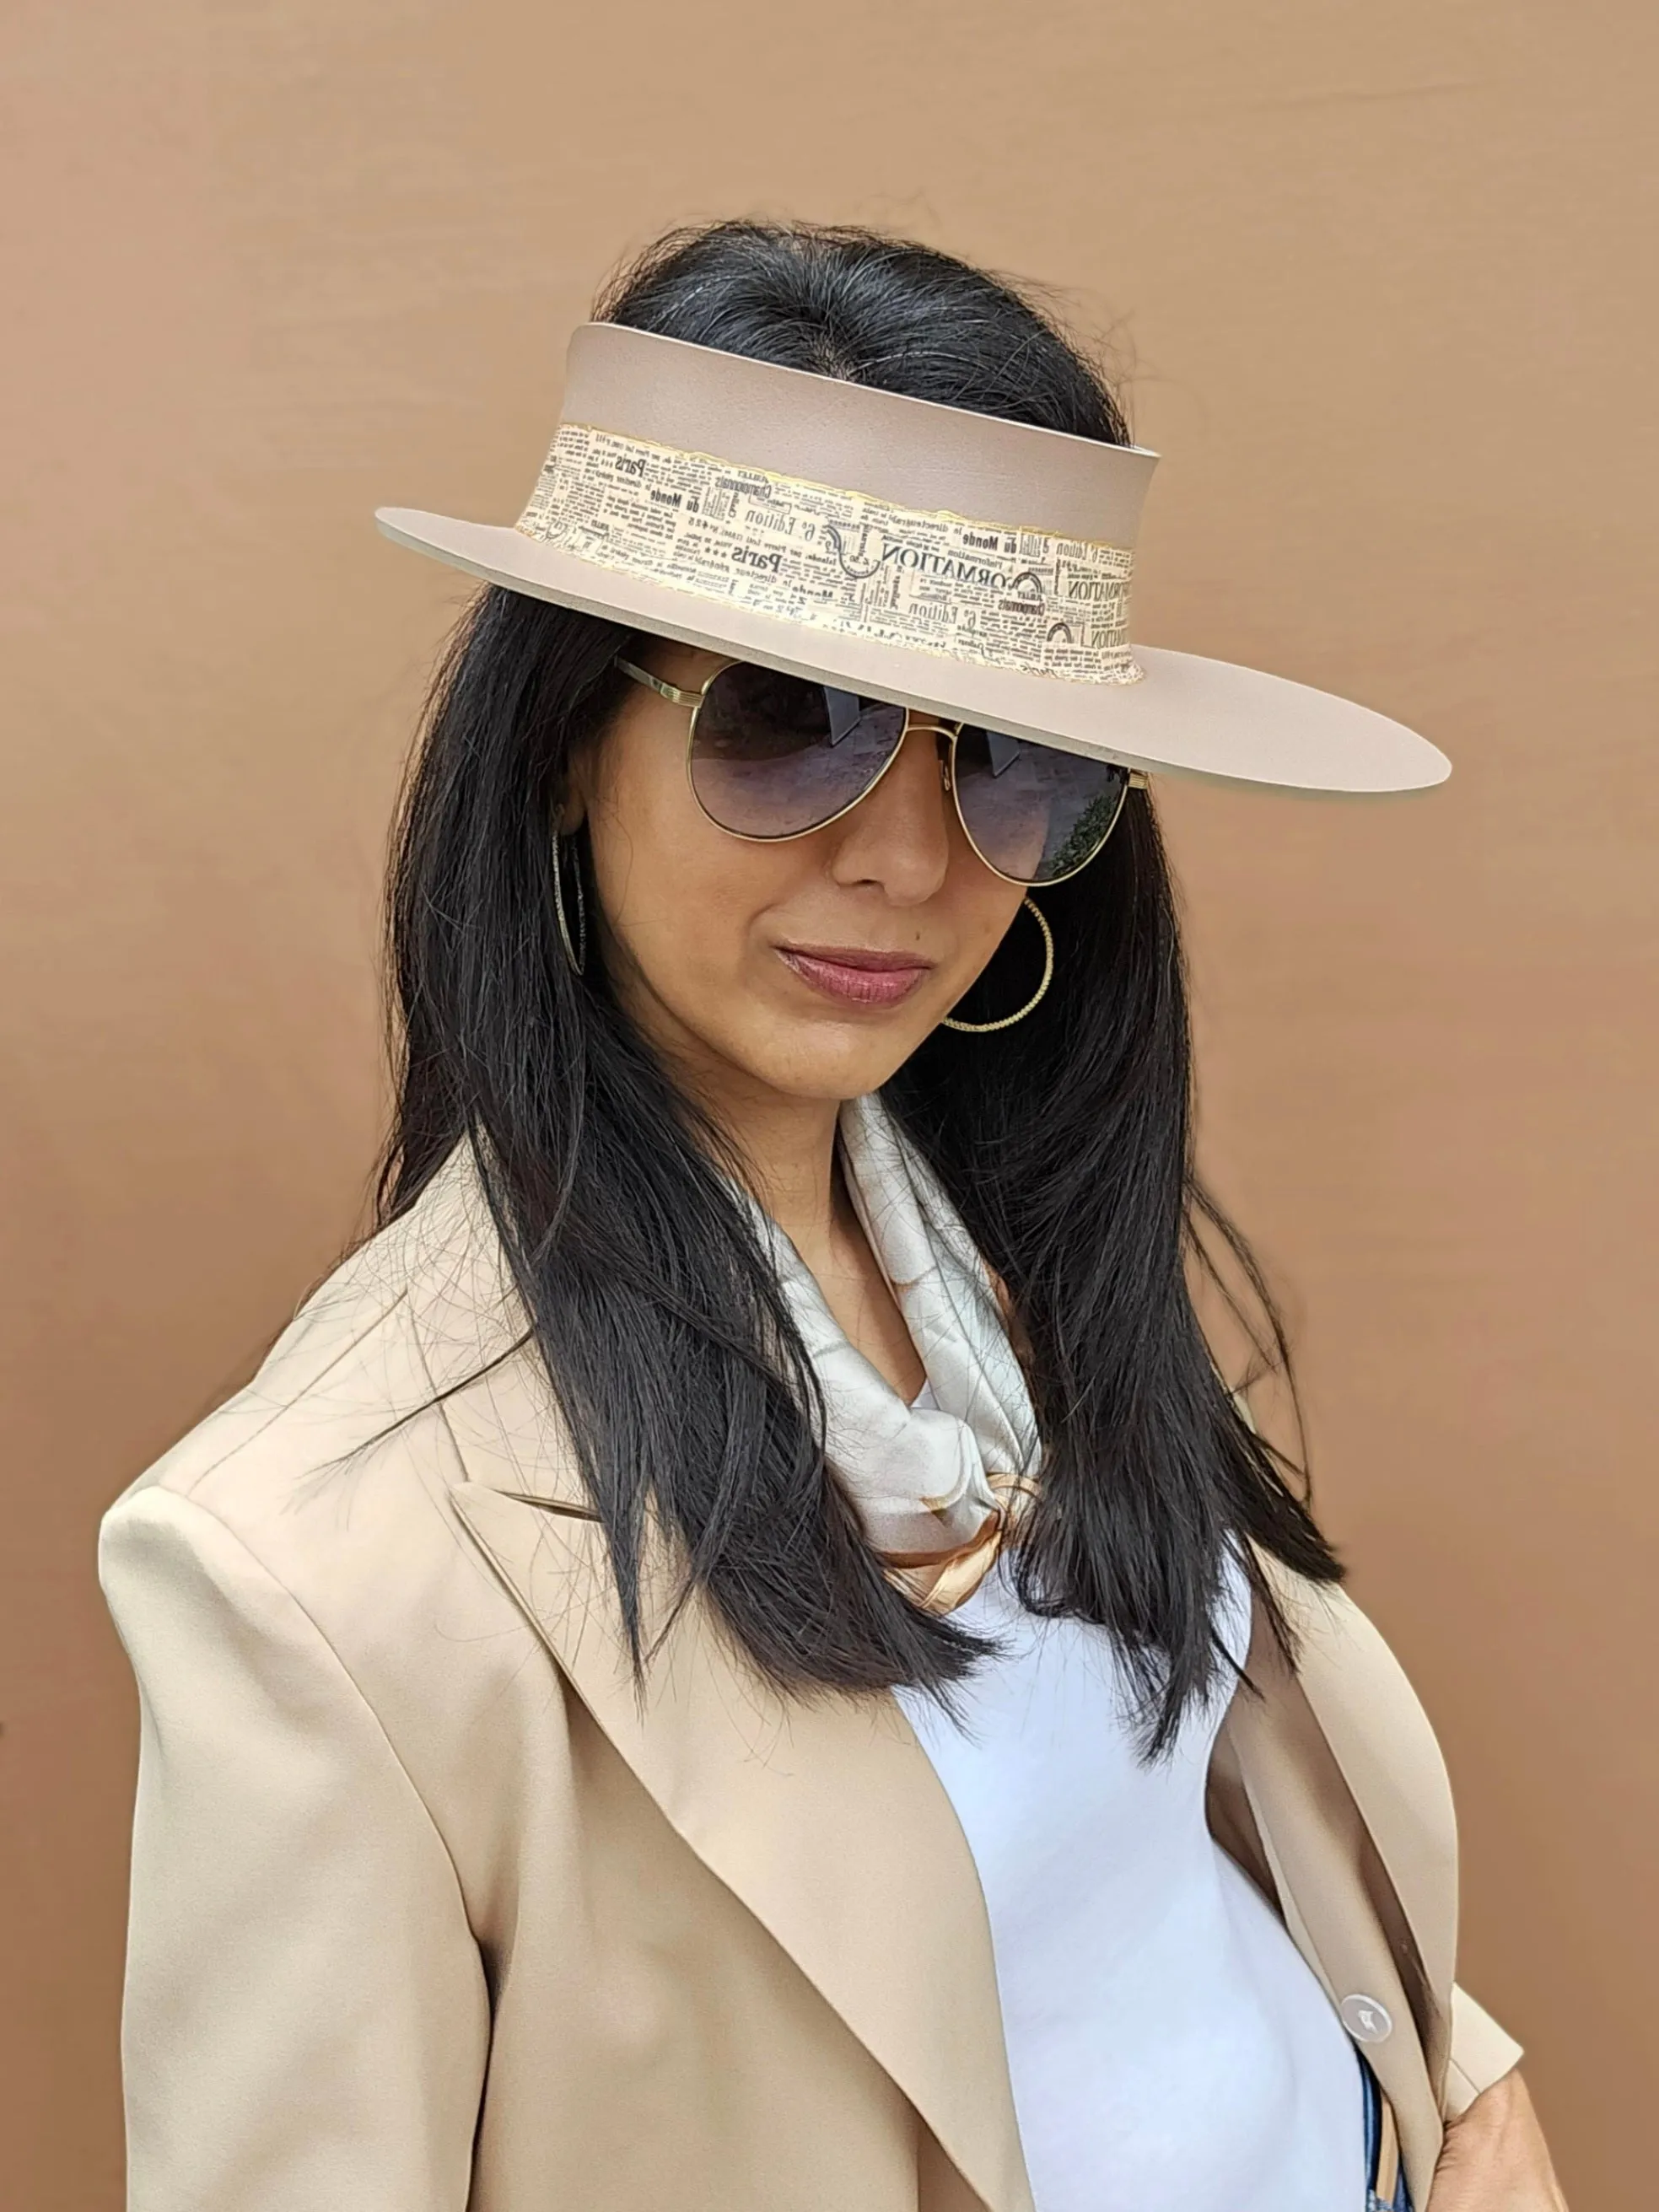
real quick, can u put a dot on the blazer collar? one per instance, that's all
(824, 1816)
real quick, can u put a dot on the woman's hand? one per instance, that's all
(1495, 2158)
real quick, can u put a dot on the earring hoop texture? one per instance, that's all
(578, 959)
(982, 1028)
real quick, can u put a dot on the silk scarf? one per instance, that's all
(939, 1488)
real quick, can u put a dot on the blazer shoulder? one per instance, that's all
(358, 1374)
(303, 1541)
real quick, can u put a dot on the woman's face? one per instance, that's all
(812, 967)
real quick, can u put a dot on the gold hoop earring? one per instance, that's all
(982, 1028)
(578, 959)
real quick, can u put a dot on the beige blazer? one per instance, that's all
(429, 1911)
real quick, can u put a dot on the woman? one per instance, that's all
(739, 1653)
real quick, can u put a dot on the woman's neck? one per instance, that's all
(787, 1148)
(789, 1145)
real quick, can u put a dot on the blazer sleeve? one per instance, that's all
(1481, 2053)
(306, 2022)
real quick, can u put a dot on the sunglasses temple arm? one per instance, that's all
(669, 691)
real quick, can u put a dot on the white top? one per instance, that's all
(1171, 2049)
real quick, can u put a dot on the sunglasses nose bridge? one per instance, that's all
(945, 744)
(945, 740)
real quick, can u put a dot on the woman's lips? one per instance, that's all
(854, 976)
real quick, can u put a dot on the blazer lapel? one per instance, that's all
(1379, 1738)
(824, 1816)
(1360, 1847)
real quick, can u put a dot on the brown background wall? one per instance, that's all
(1381, 280)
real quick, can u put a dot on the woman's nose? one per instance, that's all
(899, 836)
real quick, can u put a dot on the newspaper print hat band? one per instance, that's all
(972, 568)
(973, 590)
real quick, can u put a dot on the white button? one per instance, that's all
(1365, 2020)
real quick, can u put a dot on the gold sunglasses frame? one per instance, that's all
(913, 716)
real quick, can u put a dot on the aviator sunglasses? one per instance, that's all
(770, 757)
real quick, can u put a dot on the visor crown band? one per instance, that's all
(999, 595)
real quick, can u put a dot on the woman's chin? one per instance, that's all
(832, 1058)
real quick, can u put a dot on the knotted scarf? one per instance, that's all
(938, 1488)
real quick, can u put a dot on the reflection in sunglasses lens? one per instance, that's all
(1034, 813)
(773, 755)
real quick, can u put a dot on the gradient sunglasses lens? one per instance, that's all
(773, 755)
(1034, 813)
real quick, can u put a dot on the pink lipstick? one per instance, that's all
(856, 976)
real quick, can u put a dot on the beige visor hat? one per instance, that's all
(975, 569)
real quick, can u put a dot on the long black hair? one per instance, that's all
(1066, 1141)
